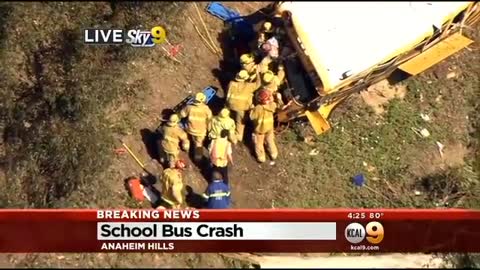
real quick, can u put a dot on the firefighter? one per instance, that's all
(240, 99)
(278, 28)
(172, 185)
(265, 33)
(198, 117)
(173, 134)
(220, 151)
(217, 193)
(262, 117)
(271, 82)
(264, 65)
(248, 63)
(220, 122)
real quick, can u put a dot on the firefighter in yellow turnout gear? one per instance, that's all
(220, 151)
(265, 33)
(262, 117)
(248, 64)
(264, 65)
(198, 117)
(240, 99)
(223, 122)
(173, 134)
(172, 185)
(272, 82)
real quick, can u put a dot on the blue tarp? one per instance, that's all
(220, 11)
(242, 30)
(208, 91)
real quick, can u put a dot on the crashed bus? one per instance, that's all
(341, 48)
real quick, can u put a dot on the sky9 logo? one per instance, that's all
(373, 231)
(159, 35)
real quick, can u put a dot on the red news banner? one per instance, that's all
(344, 230)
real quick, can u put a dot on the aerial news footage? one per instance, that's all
(222, 134)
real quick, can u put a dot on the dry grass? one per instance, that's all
(65, 104)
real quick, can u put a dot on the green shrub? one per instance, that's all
(55, 91)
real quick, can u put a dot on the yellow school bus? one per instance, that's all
(343, 47)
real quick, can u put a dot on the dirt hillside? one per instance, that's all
(372, 134)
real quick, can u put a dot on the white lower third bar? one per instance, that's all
(216, 231)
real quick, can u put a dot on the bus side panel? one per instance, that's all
(436, 53)
(318, 118)
(319, 123)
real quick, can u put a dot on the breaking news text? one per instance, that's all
(239, 230)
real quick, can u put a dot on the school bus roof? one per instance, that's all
(352, 37)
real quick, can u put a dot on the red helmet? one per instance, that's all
(180, 164)
(264, 96)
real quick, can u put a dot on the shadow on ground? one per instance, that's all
(151, 141)
(194, 199)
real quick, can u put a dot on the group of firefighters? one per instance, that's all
(252, 96)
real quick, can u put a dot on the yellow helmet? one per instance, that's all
(242, 75)
(201, 97)
(267, 27)
(224, 113)
(173, 120)
(268, 76)
(246, 58)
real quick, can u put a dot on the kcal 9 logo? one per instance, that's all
(373, 231)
